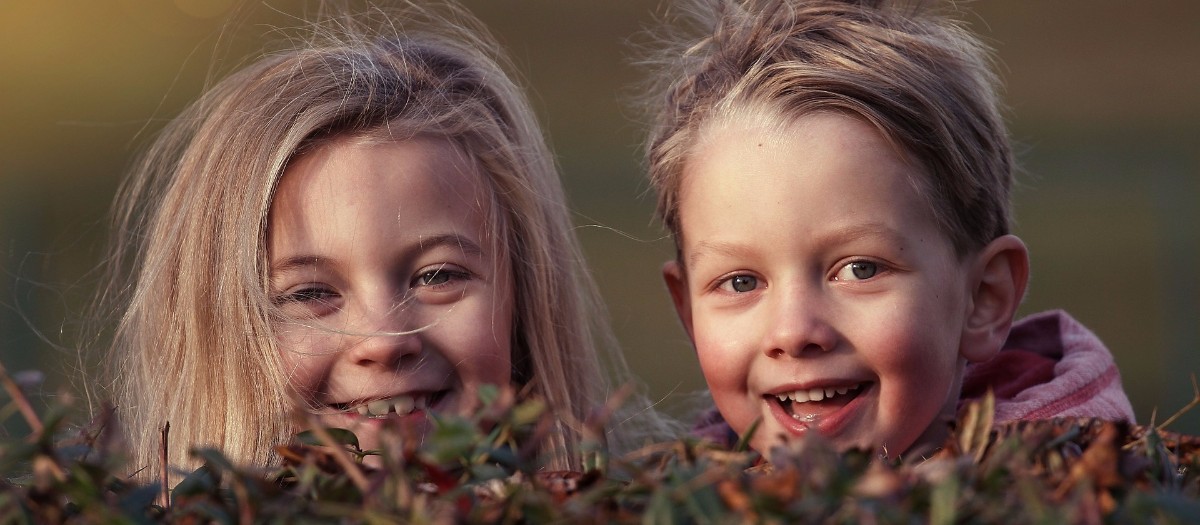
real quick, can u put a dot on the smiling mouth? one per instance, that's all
(401, 405)
(808, 405)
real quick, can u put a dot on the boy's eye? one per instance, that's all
(857, 271)
(742, 283)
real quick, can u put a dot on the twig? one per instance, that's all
(22, 402)
(595, 441)
(96, 435)
(164, 497)
(245, 511)
(341, 455)
(1186, 408)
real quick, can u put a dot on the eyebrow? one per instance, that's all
(299, 261)
(855, 231)
(468, 247)
(704, 248)
(832, 237)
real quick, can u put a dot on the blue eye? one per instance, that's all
(439, 275)
(742, 283)
(857, 271)
(308, 301)
(434, 278)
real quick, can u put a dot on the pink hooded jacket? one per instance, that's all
(1051, 366)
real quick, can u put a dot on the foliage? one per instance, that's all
(484, 469)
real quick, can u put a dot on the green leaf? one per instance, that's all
(743, 443)
(340, 436)
(200, 481)
(528, 413)
(488, 394)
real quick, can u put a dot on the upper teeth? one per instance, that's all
(400, 404)
(815, 394)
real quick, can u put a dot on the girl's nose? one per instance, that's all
(384, 338)
(798, 324)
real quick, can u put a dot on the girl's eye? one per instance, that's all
(433, 278)
(310, 294)
(440, 275)
(307, 301)
(741, 283)
(857, 271)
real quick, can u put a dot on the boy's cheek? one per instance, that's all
(710, 356)
(724, 341)
(722, 361)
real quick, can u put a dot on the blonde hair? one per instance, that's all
(924, 82)
(195, 345)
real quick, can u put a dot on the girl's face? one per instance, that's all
(392, 296)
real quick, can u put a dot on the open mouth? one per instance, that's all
(809, 405)
(401, 405)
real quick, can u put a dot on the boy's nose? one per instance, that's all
(384, 338)
(798, 326)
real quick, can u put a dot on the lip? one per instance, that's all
(828, 425)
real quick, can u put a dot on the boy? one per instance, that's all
(836, 177)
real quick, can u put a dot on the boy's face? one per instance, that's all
(816, 286)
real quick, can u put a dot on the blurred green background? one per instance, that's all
(1105, 106)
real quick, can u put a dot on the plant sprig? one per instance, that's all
(485, 468)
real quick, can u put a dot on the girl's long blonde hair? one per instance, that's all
(194, 345)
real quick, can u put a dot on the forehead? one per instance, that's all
(405, 170)
(826, 162)
(775, 118)
(349, 188)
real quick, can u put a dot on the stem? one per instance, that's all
(22, 402)
(1186, 408)
(342, 456)
(164, 498)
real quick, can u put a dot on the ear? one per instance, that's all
(676, 279)
(999, 274)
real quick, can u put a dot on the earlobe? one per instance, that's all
(1000, 274)
(676, 278)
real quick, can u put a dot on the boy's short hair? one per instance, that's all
(923, 80)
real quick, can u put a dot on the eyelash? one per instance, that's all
(879, 268)
(442, 270)
(725, 284)
(320, 294)
(306, 294)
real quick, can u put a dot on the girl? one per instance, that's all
(368, 224)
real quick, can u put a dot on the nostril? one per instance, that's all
(813, 347)
(796, 351)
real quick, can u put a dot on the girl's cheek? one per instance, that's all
(299, 376)
(304, 362)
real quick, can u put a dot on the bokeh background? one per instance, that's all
(1105, 107)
